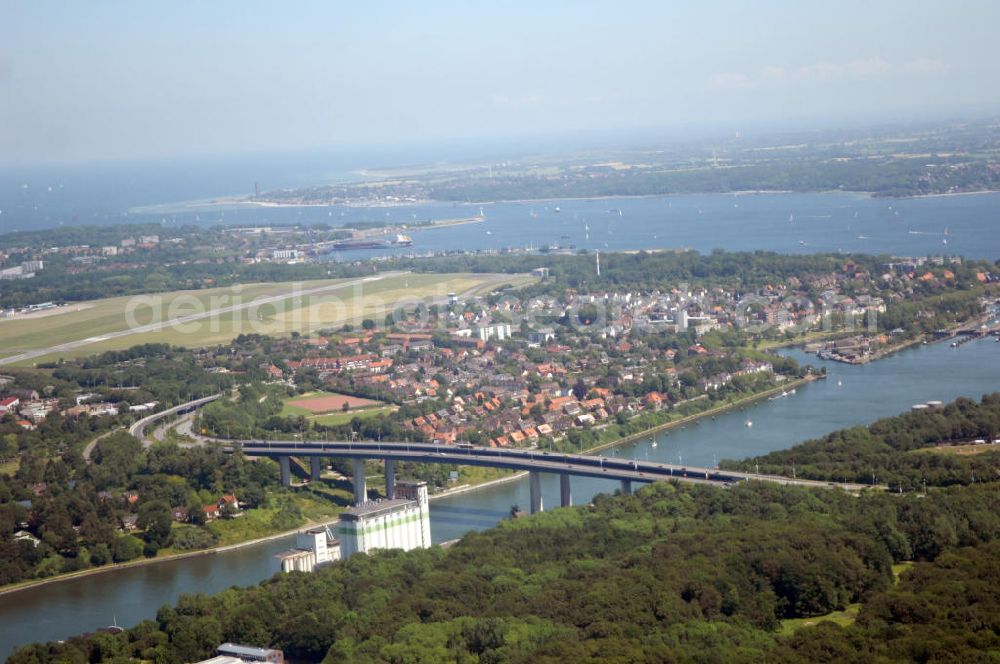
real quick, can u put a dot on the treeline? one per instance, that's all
(642, 270)
(673, 574)
(883, 177)
(154, 277)
(70, 514)
(78, 513)
(931, 313)
(899, 452)
(140, 375)
(89, 235)
(742, 271)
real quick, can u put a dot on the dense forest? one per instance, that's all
(674, 573)
(900, 452)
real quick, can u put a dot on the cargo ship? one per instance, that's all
(373, 243)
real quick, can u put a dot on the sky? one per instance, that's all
(115, 80)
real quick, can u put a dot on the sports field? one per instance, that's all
(315, 403)
(207, 317)
(327, 408)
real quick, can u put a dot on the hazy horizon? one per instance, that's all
(158, 81)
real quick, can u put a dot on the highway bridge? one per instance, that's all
(138, 428)
(627, 471)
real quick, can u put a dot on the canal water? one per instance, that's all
(850, 395)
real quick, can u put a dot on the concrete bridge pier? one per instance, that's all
(565, 493)
(390, 478)
(360, 487)
(626, 487)
(315, 468)
(535, 488)
(285, 464)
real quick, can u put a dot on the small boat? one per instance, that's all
(557, 209)
(748, 424)
(840, 384)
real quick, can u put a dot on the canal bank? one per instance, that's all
(849, 396)
(689, 419)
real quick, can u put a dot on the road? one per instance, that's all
(138, 428)
(614, 468)
(89, 449)
(180, 320)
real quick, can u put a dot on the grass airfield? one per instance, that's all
(291, 310)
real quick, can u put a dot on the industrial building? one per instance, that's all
(233, 653)
(400, 523)
(312, 549)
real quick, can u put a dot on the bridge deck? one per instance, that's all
(612, 468)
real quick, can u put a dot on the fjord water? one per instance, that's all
(786, 223)
(850, 395)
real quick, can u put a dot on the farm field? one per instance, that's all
(287, 310)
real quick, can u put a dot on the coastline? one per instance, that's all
(238, 203)
(224, 203)
(951, 194)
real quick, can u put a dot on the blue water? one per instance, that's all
(787, 223)
(850, 395)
